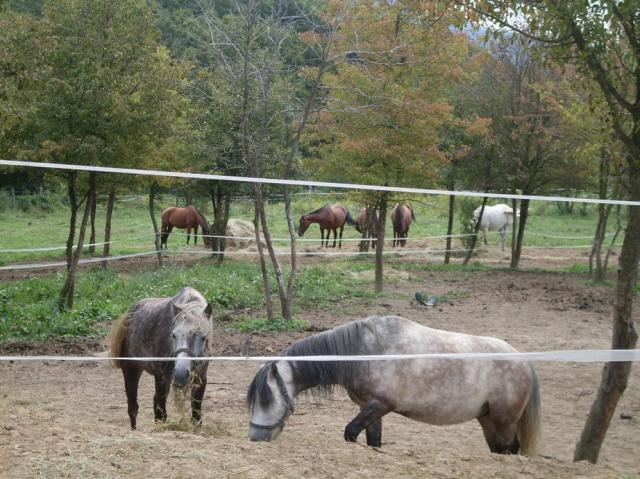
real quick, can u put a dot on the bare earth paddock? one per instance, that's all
(70, 420)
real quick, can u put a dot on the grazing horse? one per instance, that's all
(401, 217)
(188, 217)
(370, 230)
(502, 395)
(494, 218)
(178, 327)
(329, 217)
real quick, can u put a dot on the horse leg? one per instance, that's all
(340, 243)
(500, 435)
(321, 237)
(484, 233)
(131, 375)
(197, 393)
(188, 233)
(166, 238)
(503, 234)
(160, 398)
(195, 235)
(163, 236)
(370, 414)
(374, 434)
(335, 237)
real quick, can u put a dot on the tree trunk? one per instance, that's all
(605, 266)
(73, 204)
(514, 226)
(474, 238)
(275, 262)
(615, 375)
(452, 205)
(93, 198)
(287, 306)
(221, 202)
(517, 252)
(603, 216)
(68, 289)
(152, 212)
(107, 225)
(379, 281)
(263, 264)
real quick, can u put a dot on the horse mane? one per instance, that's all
(118, 337)
(322, 376)
(192, 305)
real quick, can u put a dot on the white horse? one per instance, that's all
(494, 218)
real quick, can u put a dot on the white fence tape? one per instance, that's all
(324, 184)
(570, 356)
(58, 264)
(396, 252)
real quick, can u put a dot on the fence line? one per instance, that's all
(572, 356)
(242, 238)
(397, 252)
(301, 240)
(325, 184)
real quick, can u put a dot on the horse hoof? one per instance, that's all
(350, 436)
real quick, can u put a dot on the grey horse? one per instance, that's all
(502, 395)
(177, 327)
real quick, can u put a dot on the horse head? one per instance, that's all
(304, 224)
(190, 335)
(206, 234)
(270, 400)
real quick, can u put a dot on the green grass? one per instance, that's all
(28, 308)
(38, 227)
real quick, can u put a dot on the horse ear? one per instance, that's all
(273, 369)
(208, 310)
(175, 309)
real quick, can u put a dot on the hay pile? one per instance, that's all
(239, 229)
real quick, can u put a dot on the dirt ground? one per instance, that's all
(70, 420)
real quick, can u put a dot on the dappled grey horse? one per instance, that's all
(502, 395)
(177, 327)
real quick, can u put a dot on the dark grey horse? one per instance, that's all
(502, 395)
(177, 327)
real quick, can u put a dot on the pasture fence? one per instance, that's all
(323, 184)
(569, 356)
(628, 355)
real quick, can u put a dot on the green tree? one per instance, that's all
(387, 100)
(602, 39)
(101, 96)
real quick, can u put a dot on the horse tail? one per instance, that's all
(529, 423)
(413, 215)
(117, 338)
(350, 220)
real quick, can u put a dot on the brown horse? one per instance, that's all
(329, 217)
(401, 217)
(188, 217)
(370, 230)
(179, 327)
